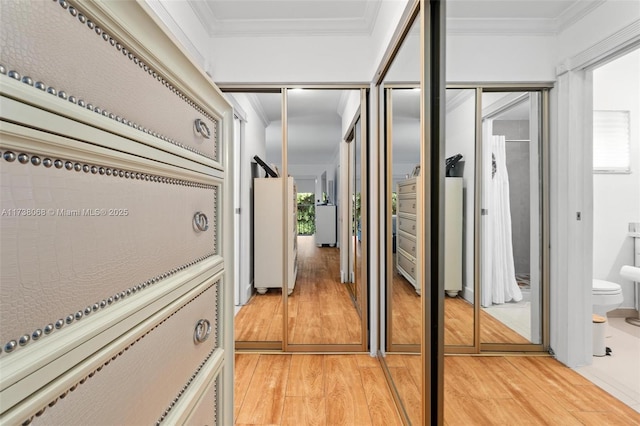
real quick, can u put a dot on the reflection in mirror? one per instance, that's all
(405, 198)
(320, 308)
(510, 286)
(354, 147)
(402, 152)
(459, 217)
(260, 317)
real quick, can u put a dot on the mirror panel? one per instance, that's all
(259, 320)
(401, 100)
(511, 233)
(460, 146)
(404, 129)
(321, 308)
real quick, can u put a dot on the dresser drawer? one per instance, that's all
(407, 224)
(407, 187)
(407, 205)
(408, 265)
(139, 383)
(84, 63)
(80, 236)
(407, 243)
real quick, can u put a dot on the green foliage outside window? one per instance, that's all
(306, 213)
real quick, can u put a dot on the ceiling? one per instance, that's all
(240, 18)
(314, 124)
(227, 18)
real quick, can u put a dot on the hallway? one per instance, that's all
(285, 389)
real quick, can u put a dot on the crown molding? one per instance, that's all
(622, 41)
(361, 26)
(174, 28)
(257, 107)
(523, 26)
(459, 98)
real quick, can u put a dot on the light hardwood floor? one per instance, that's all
(285, 389)
(320, 308)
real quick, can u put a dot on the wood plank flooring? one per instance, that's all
(285, 389)
(458, 320)
(320, 308)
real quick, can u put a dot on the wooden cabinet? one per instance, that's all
(269, 238)
(408, 258)
(115, 301)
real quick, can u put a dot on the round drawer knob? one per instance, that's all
(200, 222)
(202, 128)
(203, 330)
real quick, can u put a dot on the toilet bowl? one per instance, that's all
(606, 296)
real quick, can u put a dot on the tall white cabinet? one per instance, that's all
(116, 303)
(269, 237)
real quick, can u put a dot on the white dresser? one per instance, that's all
(269, 237)
(408, 231)
(325, 225)
(407, 208)
(115, 302)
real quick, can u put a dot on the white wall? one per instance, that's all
(616, 197)
(254, 144)
(460, 139)
(503, 58)
(351, 108)
(340, 58)
(608, 28)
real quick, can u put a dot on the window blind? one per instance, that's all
(611, 142)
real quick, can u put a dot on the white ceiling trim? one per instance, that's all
(523, 26)
(501, 26)
(175, 29)
(285, 27)
(257, 107)
(458, 98)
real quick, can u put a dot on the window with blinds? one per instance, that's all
(611, 142)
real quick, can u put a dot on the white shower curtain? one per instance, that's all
(501, 285)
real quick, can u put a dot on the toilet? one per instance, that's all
(606, 296)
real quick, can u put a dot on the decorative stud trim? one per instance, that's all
(146, 68)
(118, 354)
(47, 162)
(103, 304)
(184, 388)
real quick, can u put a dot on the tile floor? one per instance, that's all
(516, 316)
(618, 374)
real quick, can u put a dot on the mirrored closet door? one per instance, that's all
(326, 136)
(258, 153)
(301, 218)
(400, 96)
(459, 218)
(511, 221)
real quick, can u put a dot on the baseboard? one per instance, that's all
(623, 313)
(246, 294)
(467, 294)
